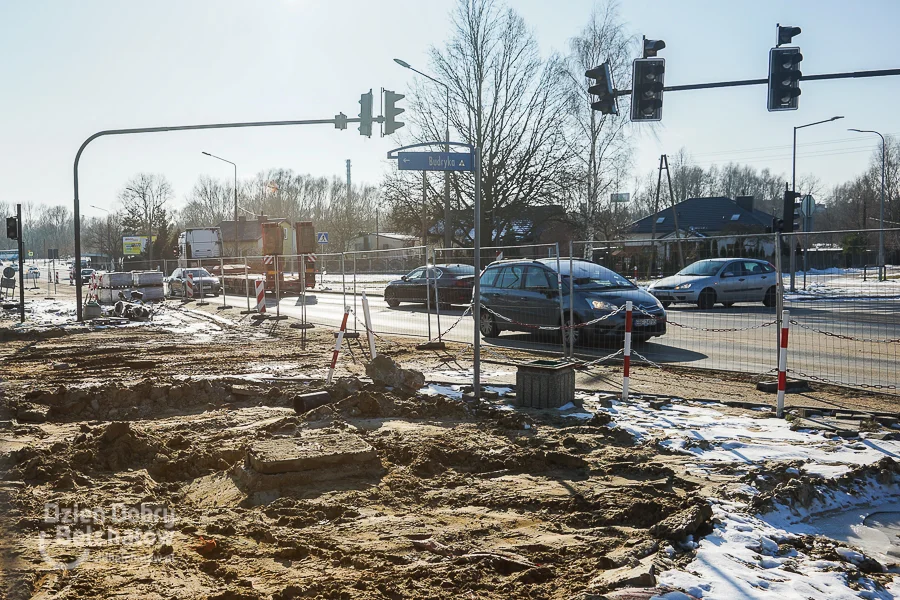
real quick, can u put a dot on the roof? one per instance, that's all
(707, 215)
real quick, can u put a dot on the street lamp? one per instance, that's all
(793, 254)
(237, 249)
(881, 216)
(108, 236)
(448, 233)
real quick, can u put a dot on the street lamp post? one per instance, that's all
(237, 242)
(448, 232)
(793, 252)
(108, 236)
(881, 260)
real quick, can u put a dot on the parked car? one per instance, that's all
(454, 285)
(723, 280)
(176, 283)
(526, 292)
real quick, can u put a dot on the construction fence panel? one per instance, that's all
(845, 308)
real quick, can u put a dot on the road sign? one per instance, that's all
(322, 237)
(807, 206)
(623, 197)
(435, 161)
(30, 254)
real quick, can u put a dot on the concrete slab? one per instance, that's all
(313, 452)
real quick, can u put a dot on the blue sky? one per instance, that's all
(72, 68)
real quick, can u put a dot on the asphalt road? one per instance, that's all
(742, 345)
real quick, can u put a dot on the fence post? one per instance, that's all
(571, 298)
(277, 289)
(428, 291)
(779, 294)
(437, 299)
(370, 329)
(562, 312)
(354, 293)
(626, 353)
(782, 363)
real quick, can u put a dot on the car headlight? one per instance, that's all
(602, 305)
(683, 286)
(658, 302)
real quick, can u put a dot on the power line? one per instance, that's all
(854, 139)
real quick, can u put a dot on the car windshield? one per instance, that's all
(196, 273)
(590, 275)
(704, 268)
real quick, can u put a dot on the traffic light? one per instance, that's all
(651, 47)
(791, 212)
(12, 228)
(784, 34)
(391, 111)
(365, 114)
(647, 89)
(784, 78)
(604, 90)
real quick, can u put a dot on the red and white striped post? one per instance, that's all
(782, 362)
(337, 345)
(626, 353)
(190, 285)
(261, 296)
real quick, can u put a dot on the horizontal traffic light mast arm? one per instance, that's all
(742, 82)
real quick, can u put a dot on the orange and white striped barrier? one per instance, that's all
(626, 361)
(190, 285)
(337, 345)
(261, 296)
(782, 362)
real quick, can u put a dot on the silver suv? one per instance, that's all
(723, 280)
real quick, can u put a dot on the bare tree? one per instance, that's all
(598, 143)
(143, 199)
(506, 100)
(210, 202)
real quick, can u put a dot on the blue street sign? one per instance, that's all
(322, 237)
(435, 161)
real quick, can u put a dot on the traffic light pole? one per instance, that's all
(339, 121)
(21, 245)
(743, 82)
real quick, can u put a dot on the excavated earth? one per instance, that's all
(192, 476)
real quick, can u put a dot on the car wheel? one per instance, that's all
(706, 299)
(666, 304)
(728, 304)
(488, 325)
(575, 335)
(769, 298)
(392, 302)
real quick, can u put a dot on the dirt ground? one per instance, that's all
(456, 498)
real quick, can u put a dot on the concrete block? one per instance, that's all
(115, 280)
(142, 278)
(316, 451)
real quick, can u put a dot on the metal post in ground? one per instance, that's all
(571, 298)
(222, 283)
(202, 301)
(562, 311)
(277, 290)
(476, 293)
(626, 353)
(437, 300)
(779, 295)
(370, 328)
(246, 288)
(354, 295)
(427, 289)
(782, 362)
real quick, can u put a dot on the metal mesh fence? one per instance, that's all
(719, 295)
(844, 308)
